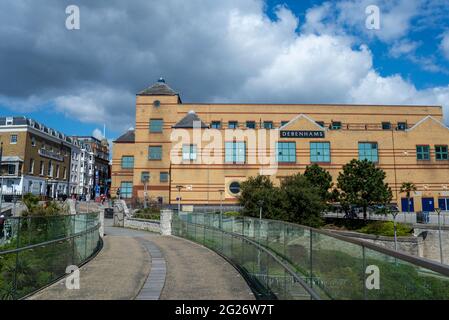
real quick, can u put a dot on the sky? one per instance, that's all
(254, 51)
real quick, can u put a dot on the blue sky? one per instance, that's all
(231, 51)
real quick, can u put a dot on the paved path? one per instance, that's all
(121, 269)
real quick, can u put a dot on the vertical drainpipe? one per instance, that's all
(394, 167)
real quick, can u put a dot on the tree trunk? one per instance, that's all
(364, 213)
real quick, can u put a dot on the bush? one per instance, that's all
(148, 213)
(232, 214)
(386, 228)
(49, 208)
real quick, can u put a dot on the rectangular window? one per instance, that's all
(145, 176)
(233, 124)
(57, 171)
(368, 151)
(33, 141)
(286, 152)
(189, 152)
(156, 125)
(11, 169)
(250, 124)
(320, 152)
(441, 153)
(336, 125)
(163, 177)
(127, 162)
(402, 126)
(31, 166)
(386, 126)
(126, 189)
(268, 124)
(235, 152)
(422, 153)
(216, 125)
(283, 123)
(50, 169)
(155, 153)
(13, 139)
(42, 168)
(320, 123)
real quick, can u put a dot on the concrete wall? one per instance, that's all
(431, 244)
(141, 224)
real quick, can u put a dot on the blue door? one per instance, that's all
(410, 207)
(443, 203)
(428, 204)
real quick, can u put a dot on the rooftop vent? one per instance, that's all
(161, 80)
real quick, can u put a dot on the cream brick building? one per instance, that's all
(409, 142)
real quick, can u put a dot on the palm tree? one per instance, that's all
(408, 188)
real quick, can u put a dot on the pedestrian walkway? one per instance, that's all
(124, 270)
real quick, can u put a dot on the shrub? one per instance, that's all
(232, 214)
(386, 228)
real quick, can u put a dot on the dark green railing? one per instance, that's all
(332, 266)
(36, 251)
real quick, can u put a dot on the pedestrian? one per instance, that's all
(2, 223)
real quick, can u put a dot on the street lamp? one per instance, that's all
(221, 207)
(438, 210)
(179, 187)
(1, 174)
(260, 203)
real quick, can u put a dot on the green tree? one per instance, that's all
(321, 179)
(362, 183)
(408, 188)
(302, 201)
(260, 191)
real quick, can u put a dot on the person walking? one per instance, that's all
(2, 224)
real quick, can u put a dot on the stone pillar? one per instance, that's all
(72, 206)
(166, 217)
(101, 230)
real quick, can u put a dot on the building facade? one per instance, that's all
(35, 158)
(410, 143)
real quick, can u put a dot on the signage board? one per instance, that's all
(302, 134)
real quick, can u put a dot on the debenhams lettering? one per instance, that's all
(301, 134)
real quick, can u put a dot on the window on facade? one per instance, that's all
(50, 169)
(386, 125)
(13, 139)
(41, 168)
(189, 152)
(233, 124)
(145, 176)
(286, 152)
(155, 153)
(216, 125)
(422, 152)
(31, 166)
(368, 151)
(251, 124)
(441, 153)
(126, 189)
(283, 123)
(268, 124)
(11, 169)
(57, 171)
(320, 152)
(234, 187)
(402, 126)
(33, 141)
(127, 162)
(156, 125)
(163, 177)
(235, 152)
(320, 123)
(336, 125)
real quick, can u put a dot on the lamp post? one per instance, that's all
(179, 187)
(260, 203)
(145, 179)
(394, 214)
(221, 207)
(1, 174)
(438, 210)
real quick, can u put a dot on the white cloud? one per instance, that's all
(98, 134)
(403, 47)
(444, 45)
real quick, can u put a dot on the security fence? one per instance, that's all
(288, 261)
(36, 251)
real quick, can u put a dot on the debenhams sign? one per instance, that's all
(301, 134)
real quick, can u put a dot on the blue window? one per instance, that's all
(189, 152)
(235, 152)
(283, 123)
(233, 124)
(320, 152)
(163, 177)
(368, 151)
(336, 125)
(422, 152)
(127, 162)
(126, 189)
(145, 176)
(320, 123)
(155, 153)
(216, 125)
(156, 125)
(268, 124)
(251, 124)
(441, 152)
(286, 152)
(401, 126)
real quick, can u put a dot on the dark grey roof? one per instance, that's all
(160, 88)
(15, 121)
(187, 121)
(129, 136)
